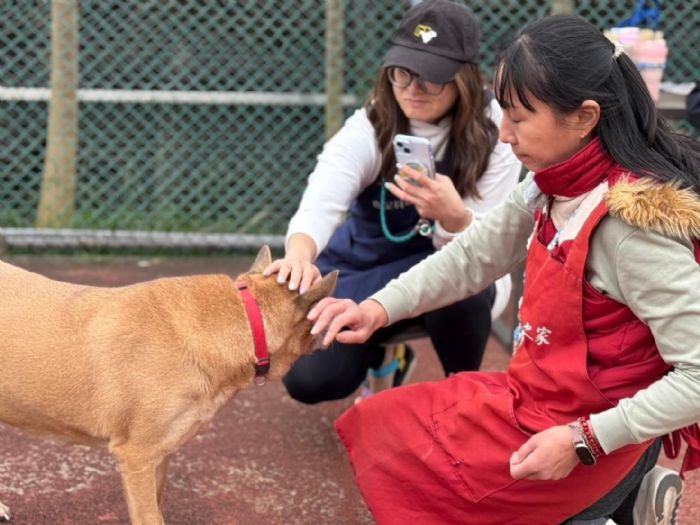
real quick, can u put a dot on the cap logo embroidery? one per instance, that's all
(425, 33)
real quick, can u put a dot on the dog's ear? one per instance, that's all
(318, 291)
(262, 261)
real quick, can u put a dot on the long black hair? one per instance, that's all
(564, 60)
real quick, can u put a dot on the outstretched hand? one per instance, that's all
(548, 455)
(346, 321)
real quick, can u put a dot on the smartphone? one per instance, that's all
(415, 152)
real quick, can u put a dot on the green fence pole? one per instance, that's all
(57, 199)
(334, 66)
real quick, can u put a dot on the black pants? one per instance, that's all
(459, 333)
(618, 504)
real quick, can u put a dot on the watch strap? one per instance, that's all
(585, 453)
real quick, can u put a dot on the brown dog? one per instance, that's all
(141, 368)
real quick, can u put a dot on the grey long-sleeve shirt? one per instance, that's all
(657, 277)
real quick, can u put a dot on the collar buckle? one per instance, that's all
(262, 366)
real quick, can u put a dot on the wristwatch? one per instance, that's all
(583, 451)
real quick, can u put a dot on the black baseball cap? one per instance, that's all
(435, 39)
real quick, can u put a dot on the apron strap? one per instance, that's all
(672, 447)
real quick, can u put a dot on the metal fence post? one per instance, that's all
(334, 66)
(56, 202)
(562, 7)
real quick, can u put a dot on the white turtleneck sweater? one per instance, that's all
(350, 162)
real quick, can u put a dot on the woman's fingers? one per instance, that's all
(345, 319)
(328, 314)
(402, 189)
(319, 308)
(273, 267)
(396, 190)
(547, 455)
(418, 176)
(436, 199)
(282, 267)
(332, 316)
(310, 275)
(349, 337)
(519, 467)
(412, 185)
(301, 275)
(296, 272)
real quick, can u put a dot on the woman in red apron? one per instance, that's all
(508, 448)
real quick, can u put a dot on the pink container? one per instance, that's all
(627, 36)
(650, 57)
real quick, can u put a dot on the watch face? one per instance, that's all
(584, 454)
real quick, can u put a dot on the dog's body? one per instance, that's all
(140, 368)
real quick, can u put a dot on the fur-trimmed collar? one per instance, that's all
(665, 208)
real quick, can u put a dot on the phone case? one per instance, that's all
(415, 152)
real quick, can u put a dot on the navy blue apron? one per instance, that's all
(367, 260)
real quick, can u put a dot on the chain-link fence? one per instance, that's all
(191, 122)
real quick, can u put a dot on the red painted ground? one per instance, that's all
(266, 459)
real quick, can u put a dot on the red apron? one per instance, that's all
(438, 453)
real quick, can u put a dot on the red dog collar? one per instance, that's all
(257, 327)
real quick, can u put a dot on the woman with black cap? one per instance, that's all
(430, 86)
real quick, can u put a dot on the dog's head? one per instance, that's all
(287, 329)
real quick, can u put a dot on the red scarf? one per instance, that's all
(579, 174)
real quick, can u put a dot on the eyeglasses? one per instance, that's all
(402, 78)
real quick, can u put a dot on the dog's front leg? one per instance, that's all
(140, 482)
(4, 513)
(161, 476)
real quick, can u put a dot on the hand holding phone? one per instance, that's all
(416, 153)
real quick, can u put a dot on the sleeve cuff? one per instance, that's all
(611, 430)
(441, 236)
(392, 303)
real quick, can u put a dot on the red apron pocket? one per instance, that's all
(484, 423)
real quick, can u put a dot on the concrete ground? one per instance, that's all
(266, 459)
